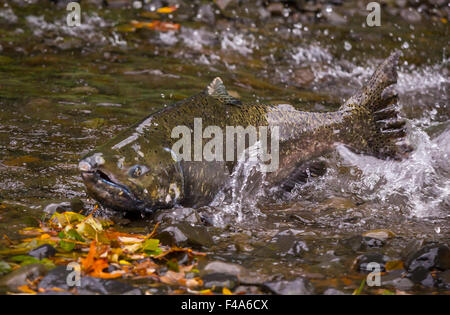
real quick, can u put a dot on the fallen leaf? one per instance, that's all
(226, 291)
(394, 265)
(26, 289)
(167, 10)
(157, 25)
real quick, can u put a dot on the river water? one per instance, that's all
(64, 90)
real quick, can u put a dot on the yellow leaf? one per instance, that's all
(124, 262)
(394, 265)
(44, 236)
(225, 291)
(125, 239)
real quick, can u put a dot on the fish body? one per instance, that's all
(139, 171)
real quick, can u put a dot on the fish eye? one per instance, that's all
(137, 170)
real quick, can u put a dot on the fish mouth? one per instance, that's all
(112, 194)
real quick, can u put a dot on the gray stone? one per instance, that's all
(41, 252)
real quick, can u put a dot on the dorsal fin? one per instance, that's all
(217, 90)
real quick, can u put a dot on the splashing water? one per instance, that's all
(420, 183)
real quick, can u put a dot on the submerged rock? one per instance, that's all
(298, 286)
(41, 252)
(20, 276)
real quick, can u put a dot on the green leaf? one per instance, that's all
(155, 252)
(66, 246)
(24, 260)
(173, 265)
(361, 287)
(150, 245)
(74, 235)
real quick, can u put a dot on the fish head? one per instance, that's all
(132, 181)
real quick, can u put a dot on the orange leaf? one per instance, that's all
(167, 9)
(98, 267)
(26, 289)
(89, 260)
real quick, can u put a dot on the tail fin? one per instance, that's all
(375, 115)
